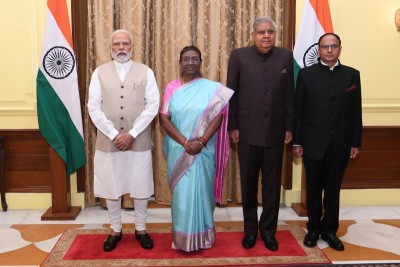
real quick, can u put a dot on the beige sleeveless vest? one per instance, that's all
(123, 102)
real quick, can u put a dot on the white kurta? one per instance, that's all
(118, 173)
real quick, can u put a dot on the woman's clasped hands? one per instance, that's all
(193, 147)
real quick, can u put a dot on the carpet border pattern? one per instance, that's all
(314, 255)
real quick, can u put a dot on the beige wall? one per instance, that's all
(370, 44)
(20, 54)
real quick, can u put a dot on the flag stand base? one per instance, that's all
(49, 215)
(301, 208)
(60, 192)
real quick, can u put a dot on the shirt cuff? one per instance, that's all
(113, 134)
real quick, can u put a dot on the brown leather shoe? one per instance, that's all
(111, 242)
(145, 240)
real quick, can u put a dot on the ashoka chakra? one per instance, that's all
(311, 55)
(58, 62)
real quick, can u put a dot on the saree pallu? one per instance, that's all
(195, 181)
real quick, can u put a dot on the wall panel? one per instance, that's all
(19, 54)
(27, 161)
(378, 165)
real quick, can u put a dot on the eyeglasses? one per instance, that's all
(195, 60)
(332, 46)
(270, 31)
(124, 44)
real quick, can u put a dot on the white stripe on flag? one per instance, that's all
(309, 32)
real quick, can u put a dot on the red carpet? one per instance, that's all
(82, 247)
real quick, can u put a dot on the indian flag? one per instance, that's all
(315, 21)
(58, 103)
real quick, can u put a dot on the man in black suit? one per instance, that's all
(327, 134)
(261, 114)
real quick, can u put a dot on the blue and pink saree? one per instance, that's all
(196, 181)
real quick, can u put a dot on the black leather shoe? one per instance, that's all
(249, 241)
(270, 243)
(311, 239)
(145, 240)
(111, 242)
(333, 241)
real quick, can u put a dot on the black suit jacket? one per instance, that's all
(262, 107)
(328, 110)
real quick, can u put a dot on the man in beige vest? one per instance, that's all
(123, 101)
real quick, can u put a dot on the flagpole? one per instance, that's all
(61, 208)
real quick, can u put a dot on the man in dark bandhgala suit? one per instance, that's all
(261, 118)
(327, 134)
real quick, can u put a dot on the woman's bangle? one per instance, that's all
(203, 141)
(187, 140)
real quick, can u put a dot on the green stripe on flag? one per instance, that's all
(56, 126)
(296, 69)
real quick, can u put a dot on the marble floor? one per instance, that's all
(371, 234)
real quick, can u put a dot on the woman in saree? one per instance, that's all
(194, 115)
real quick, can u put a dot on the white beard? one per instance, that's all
(121, 57)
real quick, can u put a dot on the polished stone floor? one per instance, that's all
(371, 234)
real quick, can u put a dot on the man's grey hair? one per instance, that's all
(263, 19)
(121, 31)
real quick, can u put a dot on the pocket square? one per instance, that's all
(284, 71)
(351, 88)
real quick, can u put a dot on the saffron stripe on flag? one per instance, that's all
(62, 18)
(321, 8)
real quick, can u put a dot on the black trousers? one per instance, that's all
(268, 160)
(324, 179)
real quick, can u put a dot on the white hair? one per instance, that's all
(263, 19)
(121, 31)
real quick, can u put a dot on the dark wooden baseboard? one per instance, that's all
(378, 165)
(31, 165)
(26, 161)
